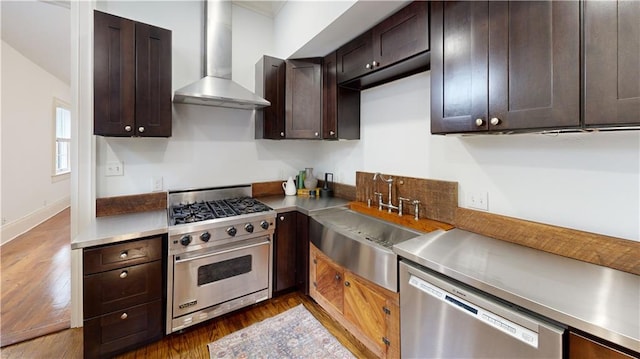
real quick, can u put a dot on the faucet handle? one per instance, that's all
(379, 194)
(416, 203)
(400, 207)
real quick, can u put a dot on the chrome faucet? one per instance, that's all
(381, 203)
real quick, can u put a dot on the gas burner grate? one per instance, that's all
(221, 209)
(183, 213)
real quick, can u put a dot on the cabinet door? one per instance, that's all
(303, 106)
(364, 308)
(302, 252)
(270, 84)
(329, 280)
(612, 58)
(534, 61)
(459, 66)
(402, 35)
(284, 274)
(113, 75)
(583, 348)
(353, 58)
(153, 81)
(330, 97)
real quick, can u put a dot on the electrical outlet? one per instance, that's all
(156, 184)
(114, 168)
(478, 200)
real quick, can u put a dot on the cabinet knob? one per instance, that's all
(347, 284)
(124, 316)
(282, 218)
(124, 274)
(332, 133)
(376, 64)
(495, 121)
(316, 134)
(124, 255)
(367, 66)
(337, 276)
(479, 122)
(127, 128)
(281, 134)
(141, 129)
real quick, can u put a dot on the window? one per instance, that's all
(62, 154)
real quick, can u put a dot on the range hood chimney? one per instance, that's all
(217, 88)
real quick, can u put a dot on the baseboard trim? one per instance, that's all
(13, 229)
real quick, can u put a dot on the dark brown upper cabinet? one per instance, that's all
(504, 66)
(294, 88)
(396, 47)
(303, 99)
(340, 106)
(132, 78)
(270, 84)
(612, 55)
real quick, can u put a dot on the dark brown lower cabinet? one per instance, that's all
(291, 253)
(123, 296)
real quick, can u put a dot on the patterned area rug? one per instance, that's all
(292, 334)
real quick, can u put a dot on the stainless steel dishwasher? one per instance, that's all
(443, 319)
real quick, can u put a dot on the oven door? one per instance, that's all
(205, 278)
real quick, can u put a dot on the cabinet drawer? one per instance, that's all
(122, 254)
(122, 288)
(123, 330)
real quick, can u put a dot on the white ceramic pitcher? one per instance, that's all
(289, 187)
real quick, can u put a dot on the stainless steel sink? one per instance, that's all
(360, 243)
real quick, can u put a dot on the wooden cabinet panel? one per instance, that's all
(121, 288)
(329, 281)
(120, 331)
(583, 348)
(303, 105)
(302, 252)
(153, 81)
(402, 35)
(459, 66)
(353, 57)
(612, 55)
(113, 74)
(534, 80)
(330, 97)
(285, 252)
(495, 69)
(114, 256)
(132, 78)
(364, 308)
(270, 84)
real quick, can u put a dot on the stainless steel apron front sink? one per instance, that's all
(360, 243)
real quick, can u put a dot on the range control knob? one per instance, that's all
(248, 227)
(185, 240)
(206, 236)
(232, 231)
(264, 224)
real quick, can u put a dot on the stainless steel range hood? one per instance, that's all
(217, 88)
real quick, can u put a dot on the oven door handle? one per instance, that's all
(215, 253)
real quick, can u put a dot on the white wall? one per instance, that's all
(209, 146)
(30, 194)
(586, 181)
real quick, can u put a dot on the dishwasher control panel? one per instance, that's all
(517, 331)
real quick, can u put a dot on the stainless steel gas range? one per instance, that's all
(219, 253)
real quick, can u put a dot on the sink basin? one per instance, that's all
(360, 243)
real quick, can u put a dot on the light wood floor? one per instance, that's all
(192, 343)
(35, 283)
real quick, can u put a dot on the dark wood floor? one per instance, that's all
(35, 287)
(192, 343)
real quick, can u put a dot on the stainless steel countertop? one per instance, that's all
(302, 204)
(111, 229)
(599, 300)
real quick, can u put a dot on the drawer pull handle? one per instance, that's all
(337, 276)
(347, 284)
(124, 316)
(124, 274)
(124, 255)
